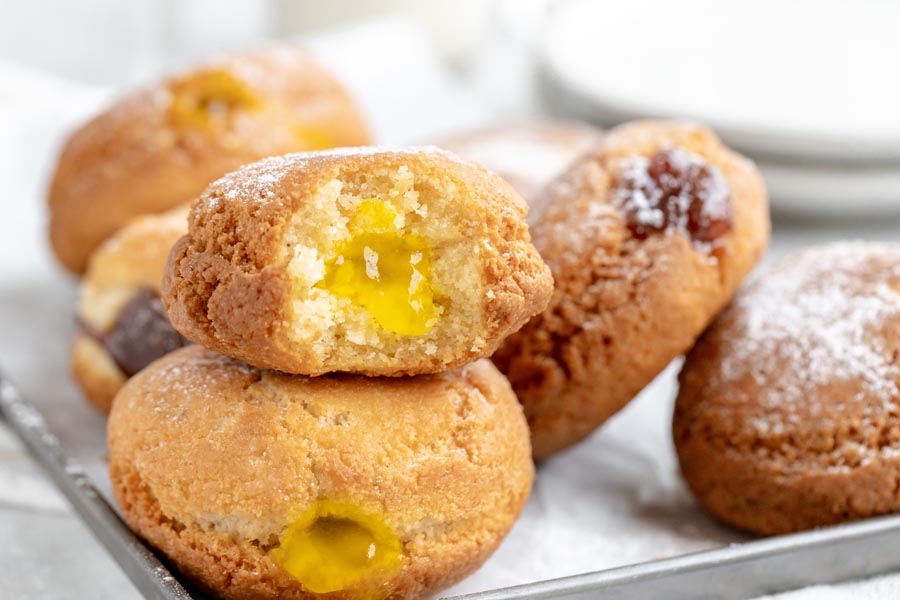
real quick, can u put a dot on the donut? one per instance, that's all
(788, 413)
(121, 324)
(374, 261)
(647, 238)
(257, 484)
(528, 154)
(161, 146)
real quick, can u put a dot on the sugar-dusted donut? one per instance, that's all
(647, 238)
(261, 485)
(121, 324)
(788, 416)
(161, 146)
(374, 261)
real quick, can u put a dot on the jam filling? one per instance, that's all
(384, 270)
(336, 546)
(674, 189)
(141, 333)
(208, 100)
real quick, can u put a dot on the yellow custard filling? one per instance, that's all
(336, 546)
(384, 270)
(310, 137)
(207, 100)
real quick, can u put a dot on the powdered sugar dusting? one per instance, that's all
(824, 317)
(674, 190)
(256, 181)
(259, 181)
(198, 371)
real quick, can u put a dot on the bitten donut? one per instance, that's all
(788, 416)
(121, 325)
(161, 146)
(257, 484)
(374, 261)
(527, 154)
(647, 239)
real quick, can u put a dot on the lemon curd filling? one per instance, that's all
(310, 137)
(336, 546)
(206, 100)
(384, 270)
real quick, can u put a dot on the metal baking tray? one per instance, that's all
(736, 571)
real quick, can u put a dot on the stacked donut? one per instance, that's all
(338, 429)
(118, 197)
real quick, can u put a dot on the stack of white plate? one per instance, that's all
(810, 89)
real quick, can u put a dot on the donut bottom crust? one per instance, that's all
(95, 372)
(772, 497)
(242, 570)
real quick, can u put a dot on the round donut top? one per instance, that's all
(136, 255)
(647, 180)
(278, 83)
(160, 146)
(805, 363)
(133, 259)
(270, 445)
(262, 180)
(269, 190)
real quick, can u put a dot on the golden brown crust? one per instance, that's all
(528, 154)
(132, 260)
(211, 459)
(132, 160)
(95, 372)
(623, 307)
(227, 285)
(787, 414)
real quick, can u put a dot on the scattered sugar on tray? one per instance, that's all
(258, 181)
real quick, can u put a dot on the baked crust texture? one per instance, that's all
(788, 417)
(211, 460)
(132, 260)
(229, 284)
(623, 307)
(132, 159)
